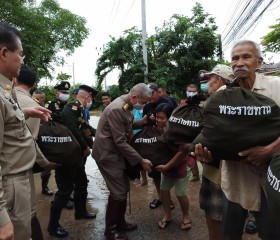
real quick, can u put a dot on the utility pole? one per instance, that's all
(73, 69)
(144, 39)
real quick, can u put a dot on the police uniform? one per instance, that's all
(17, 157)
(74, 118)
(73, 177)
(56, 105)
(111, 150)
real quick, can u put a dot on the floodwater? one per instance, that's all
(140, 197)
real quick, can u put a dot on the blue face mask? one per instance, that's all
(204, 87)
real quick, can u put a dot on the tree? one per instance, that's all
(271, 41)
(124, 54)
(176, 52)
(47, 30)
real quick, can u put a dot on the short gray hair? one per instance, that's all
(141, 90)
(249, 42)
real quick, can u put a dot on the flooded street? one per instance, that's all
(140, 197)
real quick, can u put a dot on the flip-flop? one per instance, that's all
(185, 226)
(162, 224)
(155, 203)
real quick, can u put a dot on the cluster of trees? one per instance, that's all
(176, 52)
(47, 31)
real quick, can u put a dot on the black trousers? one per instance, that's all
(69, 178)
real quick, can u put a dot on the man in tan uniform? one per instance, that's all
(17, 148)
(111, 150)
(23, 84)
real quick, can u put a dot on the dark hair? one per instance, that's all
(38, 91)
(8, 36)
(162, 87)
(167, 108)
(105, 94)
(26, 76)
(192, 85)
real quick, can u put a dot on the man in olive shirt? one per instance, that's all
(17, 148)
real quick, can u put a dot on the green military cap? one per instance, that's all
(88, 89)
(63, 86)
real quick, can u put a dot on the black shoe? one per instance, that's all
(86, 215)
(155, 203)
(69, 205)
(59, 232)
(251, 227)
(47, 191)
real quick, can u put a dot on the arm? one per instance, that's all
(37, 112)
(6, 227)
(117, 123)
(261, 154)
(70, 119)
(176, 160)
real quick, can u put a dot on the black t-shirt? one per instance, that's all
(150, 108)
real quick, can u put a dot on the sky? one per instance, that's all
(112, 17)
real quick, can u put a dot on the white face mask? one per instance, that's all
(63, 97)
(191, 94)
(89, 104)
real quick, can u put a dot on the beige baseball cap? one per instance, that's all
(223, 71)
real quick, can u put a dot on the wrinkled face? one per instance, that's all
(161, 119)
(244, 61)
(214, 82)
(106, 100)
(154, 97)
(161, 92)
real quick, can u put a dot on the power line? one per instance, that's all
(128, 11)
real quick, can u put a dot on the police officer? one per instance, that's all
(56, 106)
(73, 177)
(17, 148)
(111, 150)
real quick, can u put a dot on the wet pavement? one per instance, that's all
(140, 197)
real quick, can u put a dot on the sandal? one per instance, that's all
(186, 226)
(155, 203)
(162, 224)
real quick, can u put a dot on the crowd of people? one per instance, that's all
(229, 191)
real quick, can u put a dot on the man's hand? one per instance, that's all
(7, 232)
(147, 165)
(161, 168)
(202, 154)
(87, 152)
(257, 155)
(38, 112)
(52, 166)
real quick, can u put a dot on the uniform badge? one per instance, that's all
(74, 107)
(56, 106)
(125, 106)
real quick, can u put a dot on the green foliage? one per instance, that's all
(271, 41)
(176, 52)
(46, 30)
(63, 77)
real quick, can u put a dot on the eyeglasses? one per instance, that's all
(22, 57)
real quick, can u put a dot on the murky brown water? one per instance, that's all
(146, 218)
